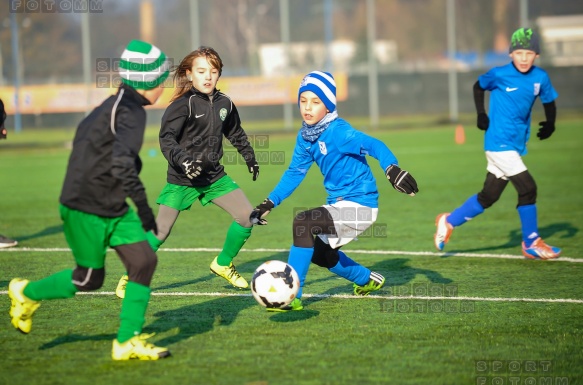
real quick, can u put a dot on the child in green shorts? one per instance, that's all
(193, 127)
(102, 173)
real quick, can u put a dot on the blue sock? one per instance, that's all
(470, 209)
(300, 258)
(352, 271)
(528, 220)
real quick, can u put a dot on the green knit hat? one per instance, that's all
(143, 66)
(525, 38)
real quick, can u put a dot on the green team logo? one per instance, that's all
(521, 38)
(223, 114)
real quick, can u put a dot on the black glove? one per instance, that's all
(483, 121)
(146, 216)
(253, 169)
(546, 130)
(192, 168)
(258, 215)
(401, 180)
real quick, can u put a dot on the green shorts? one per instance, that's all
(182, 197)
(89, 235)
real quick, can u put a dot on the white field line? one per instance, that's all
(375, 252)
(350, 296)
(344, 296)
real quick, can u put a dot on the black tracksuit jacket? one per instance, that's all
(104, 164)
(193, 126)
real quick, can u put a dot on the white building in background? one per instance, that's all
(562, 37)
(307, 56)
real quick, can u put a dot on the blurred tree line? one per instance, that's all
(51, 49)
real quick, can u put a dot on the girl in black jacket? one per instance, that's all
(191, 139)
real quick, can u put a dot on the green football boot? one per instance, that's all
(296, 304)
(22, 308)
(375, 282)
(229, 273)
(137, 348)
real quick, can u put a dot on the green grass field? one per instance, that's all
(478, 314)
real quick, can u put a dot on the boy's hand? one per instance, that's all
(483, 121)
(253, 169)
(546, 130)
(258, 215)
(401, 180)
(192, 168)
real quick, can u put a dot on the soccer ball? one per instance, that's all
(275, 284)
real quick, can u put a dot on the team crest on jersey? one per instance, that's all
(223, 114)
(536, 88)
(323, 148)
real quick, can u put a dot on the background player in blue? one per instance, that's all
(513, 91)
(352, 204)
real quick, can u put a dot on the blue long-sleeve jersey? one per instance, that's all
(511, 99)
(340, 154)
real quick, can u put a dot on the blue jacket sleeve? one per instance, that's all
(547, 92)
(488, 80)
(358, 143)
(293, 176)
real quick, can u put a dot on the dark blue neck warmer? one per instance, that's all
(312, 132)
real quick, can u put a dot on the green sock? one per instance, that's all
(236, 237)
(58, 285)
(133, 311)
(154, 242)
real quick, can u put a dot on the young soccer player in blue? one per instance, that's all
(352, 204)
(513, 91)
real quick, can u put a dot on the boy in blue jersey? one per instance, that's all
(352, 204)
(514, 89)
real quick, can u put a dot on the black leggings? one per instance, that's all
(493, 187)
(312, 222)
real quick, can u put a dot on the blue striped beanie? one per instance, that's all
(323, 85)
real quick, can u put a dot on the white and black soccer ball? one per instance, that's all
(275, 284)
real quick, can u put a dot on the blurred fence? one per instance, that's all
(400, 94)
(406, 47)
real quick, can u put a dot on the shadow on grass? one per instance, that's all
(200, 318)
(563, 230)
(70, 338)
(294, 316)
(192, 319)
(396, 273)
(246, 269)
(188, 320)
(43, 233)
